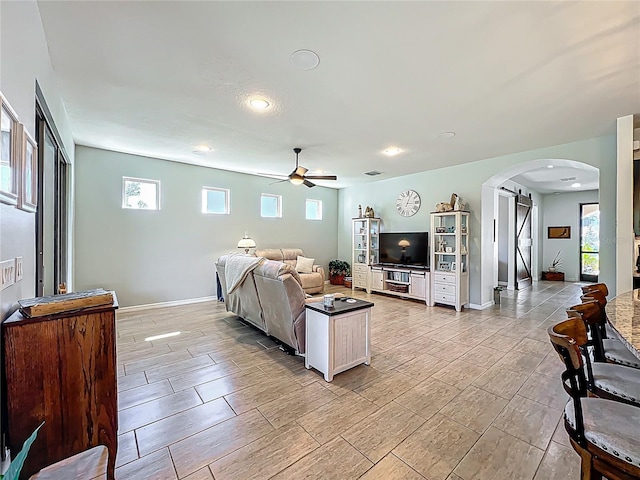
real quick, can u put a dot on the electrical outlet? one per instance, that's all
(7, 273)
(19, 271)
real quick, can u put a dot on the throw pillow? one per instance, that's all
(304, 264)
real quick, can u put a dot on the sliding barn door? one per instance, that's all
(523, 241)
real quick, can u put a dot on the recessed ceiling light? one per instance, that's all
(549, 166)
(203, 148)
(391, 151)
(446, 135)
(576, 185)
(305, 59)
(259, 103)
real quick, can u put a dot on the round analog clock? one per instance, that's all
(408, 203)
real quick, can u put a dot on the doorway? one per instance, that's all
(51, 215)
(589, 242)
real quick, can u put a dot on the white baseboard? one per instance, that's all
(172, 303)
(476, 306)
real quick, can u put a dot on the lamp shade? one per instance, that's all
(404, 243)
(246, 242)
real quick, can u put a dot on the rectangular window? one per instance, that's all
(271, 206)
(140, 193)
(215, 200)
(314, 209)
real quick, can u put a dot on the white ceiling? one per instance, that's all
(158, 77)
(560, 178)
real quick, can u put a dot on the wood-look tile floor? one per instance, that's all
(473, 395)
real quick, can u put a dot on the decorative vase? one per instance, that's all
(359, 211)
(552, 269)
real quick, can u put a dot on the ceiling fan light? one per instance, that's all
(296, 179)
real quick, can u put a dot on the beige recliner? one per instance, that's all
(311, 282)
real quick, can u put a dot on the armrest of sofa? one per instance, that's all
(319, 269)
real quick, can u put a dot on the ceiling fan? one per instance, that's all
(298, 176)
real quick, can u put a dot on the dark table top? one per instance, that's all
(339, 306)
(623, 313)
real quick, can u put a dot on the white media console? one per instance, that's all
(408, 282)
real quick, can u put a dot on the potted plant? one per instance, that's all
(338, 269)
(556, 264)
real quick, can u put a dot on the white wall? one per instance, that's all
(24, 60)
(157, 256)
(467, 181)
(561, 210)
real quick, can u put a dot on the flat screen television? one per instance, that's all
(410, 249)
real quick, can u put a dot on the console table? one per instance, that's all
(337, 338)
(553, 276)
(61, 369)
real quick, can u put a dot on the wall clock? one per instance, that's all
(408, 203)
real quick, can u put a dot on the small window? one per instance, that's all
(215, 200)
(314, 209)
(271, 206)
(140, 194)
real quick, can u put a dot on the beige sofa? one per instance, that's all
(311, 282)
(269, 296)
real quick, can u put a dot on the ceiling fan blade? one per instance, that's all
(321, 177)
(301, 171)
(271, 175)
(309, 184)
(279, 181)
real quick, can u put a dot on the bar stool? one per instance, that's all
(607, 330)
(603, 432)
(604, 380)
(596, 286)
(604, 350)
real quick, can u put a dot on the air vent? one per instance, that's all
(373, 173)
(568, 179)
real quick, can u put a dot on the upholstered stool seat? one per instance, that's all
(617, 380)
(616, 352)
(611, 332)
(610, 426)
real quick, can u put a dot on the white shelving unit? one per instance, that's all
(401, 281)
(365, 250)
(450, 258)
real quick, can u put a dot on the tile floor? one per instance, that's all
(474, 395)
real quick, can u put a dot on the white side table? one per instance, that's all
(337, 338)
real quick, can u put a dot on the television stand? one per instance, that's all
(408, 282)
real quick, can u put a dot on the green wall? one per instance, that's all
(166, 255)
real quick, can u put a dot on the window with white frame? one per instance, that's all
(140, 193)
(271, 205)
(313, 209)
(215, 200)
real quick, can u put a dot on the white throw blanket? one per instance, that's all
(237, 268)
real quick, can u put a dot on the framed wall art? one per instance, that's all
(444, 266)
(28, 195)
(559, 232)
(9, 154)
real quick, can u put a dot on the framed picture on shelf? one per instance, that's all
(455, 266)
(441, 229)
(28, 196)
(444, 266)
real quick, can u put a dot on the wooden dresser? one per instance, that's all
(61, 369)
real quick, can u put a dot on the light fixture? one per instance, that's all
(296, 179)
(549, 166)
(391, 151)
(305, 59)
(259, 103)
(246, 242)
(203, 148)
(576, 185)
(446, 135)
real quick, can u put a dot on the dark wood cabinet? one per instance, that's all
(553, 276)
(61, 369)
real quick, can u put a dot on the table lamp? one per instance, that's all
(246, 242)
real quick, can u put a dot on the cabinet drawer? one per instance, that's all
(360, 277)
(444, 278)
(360, 269)
(359, 283)
(443, 298)
(444, 288)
